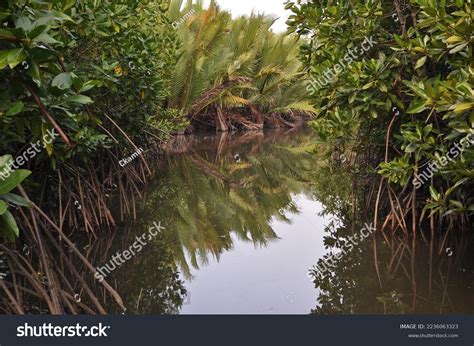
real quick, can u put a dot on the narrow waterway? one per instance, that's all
(244, 218)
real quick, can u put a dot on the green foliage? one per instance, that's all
(69, 62)
(9, 180)
(419, 74)
(92, 70)
(234, 63)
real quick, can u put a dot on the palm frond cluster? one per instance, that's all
(235, 73)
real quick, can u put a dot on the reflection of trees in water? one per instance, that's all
(415, 277)
(149, 282)
(230, 186)
(351, 286)
(227, 187)
(223, 187)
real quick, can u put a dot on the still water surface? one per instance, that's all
(246, 217)
(271, 279)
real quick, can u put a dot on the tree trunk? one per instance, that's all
(259, 117)
(221, 125)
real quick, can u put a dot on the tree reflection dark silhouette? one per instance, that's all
(230, 188)
(149, 281)
(351, 284)
(215, 190)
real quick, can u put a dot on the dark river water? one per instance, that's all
(246, 218)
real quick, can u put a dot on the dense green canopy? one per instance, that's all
(407, 103)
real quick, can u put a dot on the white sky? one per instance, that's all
(273, 7)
